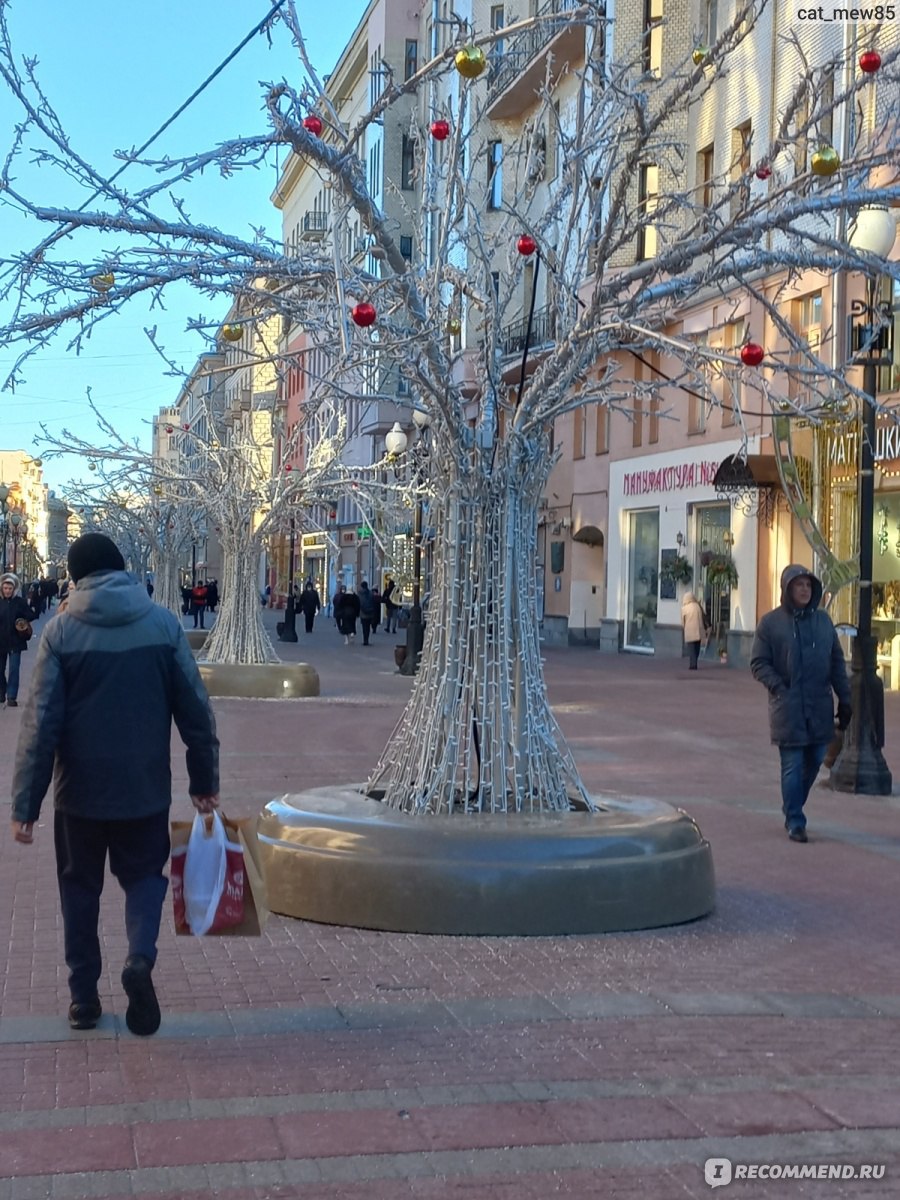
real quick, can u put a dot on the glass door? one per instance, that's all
(643, 580)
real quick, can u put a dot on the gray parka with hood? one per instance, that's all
(797, 656)
(112, 673)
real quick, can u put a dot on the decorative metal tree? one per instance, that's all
(478, 733)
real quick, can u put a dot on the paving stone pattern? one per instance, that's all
(325, 1063)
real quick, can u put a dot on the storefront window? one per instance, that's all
(714, 540)
(643, 579)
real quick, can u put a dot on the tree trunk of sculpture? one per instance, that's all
(478, 733)
(238, 635)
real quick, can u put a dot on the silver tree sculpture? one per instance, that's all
(478, 734)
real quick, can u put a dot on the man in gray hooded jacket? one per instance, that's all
(112, 672)
(797, 656)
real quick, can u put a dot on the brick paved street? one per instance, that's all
(323, 1062)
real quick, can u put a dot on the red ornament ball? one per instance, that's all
(170, 429)
(313, 124)
(526, 244)
(763, 171)
(752, 354)
(869, 61)
(363, 314)
(186, 428)
(440, 130)
(288, 467)
(333, 514)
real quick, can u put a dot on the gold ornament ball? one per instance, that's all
(157, 491)
(470, 61)
(103, 283)
(454, 325)
(825, 161)
(232, 333)
(699, 55)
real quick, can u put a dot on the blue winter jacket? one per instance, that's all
(111, 674)
(797, 656)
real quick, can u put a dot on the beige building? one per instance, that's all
(24, 524)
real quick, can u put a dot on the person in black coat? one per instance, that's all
(368, 611)
(346, 612)
(309, 603)
(15, 630)
(796, 655)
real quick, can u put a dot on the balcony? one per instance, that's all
(314, 227)
(517, 73)
(543, 332)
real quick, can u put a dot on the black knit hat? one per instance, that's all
(93, 552)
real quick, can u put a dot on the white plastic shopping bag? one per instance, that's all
(205, 864)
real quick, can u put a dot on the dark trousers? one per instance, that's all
(368, 626)
(138, 851)
(309, 617)
(693, 655)
(198, 611)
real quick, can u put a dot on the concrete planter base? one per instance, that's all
(334, 856)
(196, 638)
(265, 681)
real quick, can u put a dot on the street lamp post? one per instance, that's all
(860, 767)
(4, 520)
(19, 529)
(415, 630)
(289, 630)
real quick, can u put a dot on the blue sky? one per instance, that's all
(114, 73)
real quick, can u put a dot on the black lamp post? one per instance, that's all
(860, 767)
(289, 630)
(18, 531)
(4, 521)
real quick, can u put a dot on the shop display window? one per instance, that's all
(643, 579)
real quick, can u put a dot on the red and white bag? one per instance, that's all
(208, 879)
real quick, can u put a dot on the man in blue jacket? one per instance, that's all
(797, 656)
(111, 674)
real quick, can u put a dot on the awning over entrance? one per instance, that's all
(750, 484)
(753, 472)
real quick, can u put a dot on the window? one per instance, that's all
(601, 446)
(709, 12)
(495, 174)
(376, 77)
(637, 420)
(741, 138)
(731, 391)
(652, 51)
(705, 161)
(408, 164)
(578, 435)
(698, 402)
(801, 140)
(806, 319)
(406, 247)
(411, 58)
(648, 195)
(826, 102)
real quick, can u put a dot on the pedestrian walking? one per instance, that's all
(15, 630)
(695, 627)
(390, 608)
(376, 596)
(346, 612)
(368, 611)
(111, 674)
(198, 604)
(212, 594)
(797, 656)
(309, 602)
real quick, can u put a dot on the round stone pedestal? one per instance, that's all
(196, 638)
(334, 856)
(261, 681)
